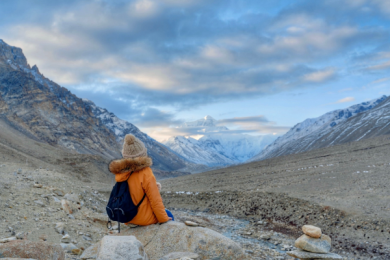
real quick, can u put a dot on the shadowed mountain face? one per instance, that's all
(358, 122)
(163, 158)
(45, 111)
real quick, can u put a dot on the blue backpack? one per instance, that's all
(120, 206)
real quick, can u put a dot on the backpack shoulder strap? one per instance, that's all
(139, 204)
(129, 175)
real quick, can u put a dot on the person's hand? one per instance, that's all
(170, 218)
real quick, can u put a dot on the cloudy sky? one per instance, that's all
(259, 67)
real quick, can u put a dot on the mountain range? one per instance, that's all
(44, 111)
(360, 121)
(218, 146)
(47, 112)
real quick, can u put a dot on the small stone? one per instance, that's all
(312, 231)
(307, 255)
(76, 251)
(265, 236)
(191, 223)
(115, 227)
(36, 185)
(20, 235)
(71, 216)
(68, 247)
(66, 207)
(87, 238)
(315, 245)
(6, 240)
(66, 239)
(40, 203)
(60, 228)
(43, 237)
(72, 197)
(58, 192)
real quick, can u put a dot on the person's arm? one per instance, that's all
(155, 199)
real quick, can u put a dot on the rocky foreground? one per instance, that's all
(46, 203)
(51, 212)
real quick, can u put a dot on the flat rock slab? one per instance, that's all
(8, 239)
(35, 250)
(308, 255)
(181, 255)
(172, 236)
(315, 245)
(121, 248)
(191, 223)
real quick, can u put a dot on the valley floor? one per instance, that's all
(342, 189)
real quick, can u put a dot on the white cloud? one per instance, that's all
(380, 80)
(345, 100)
(381, 66)
(319, 76)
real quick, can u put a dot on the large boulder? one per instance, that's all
(160, 240)
(35, 250)
(121, 248)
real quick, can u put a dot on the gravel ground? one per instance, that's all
(343, 189)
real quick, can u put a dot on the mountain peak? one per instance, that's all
(13, 55)
(205, 124)
(208, 117)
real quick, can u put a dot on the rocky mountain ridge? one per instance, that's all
(163, 158)
(46, 111)
(50, 113)
(335, 127)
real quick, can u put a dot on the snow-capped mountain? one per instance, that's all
(194, 151)
(332, 128)
(217, 147)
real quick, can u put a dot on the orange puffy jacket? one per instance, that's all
(141, 181)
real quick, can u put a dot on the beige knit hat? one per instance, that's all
(133, 147)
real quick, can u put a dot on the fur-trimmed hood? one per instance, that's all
(129, 164)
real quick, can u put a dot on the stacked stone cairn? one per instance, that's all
(313, 245)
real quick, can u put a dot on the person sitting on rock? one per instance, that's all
(169, 213)
(135, 168)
